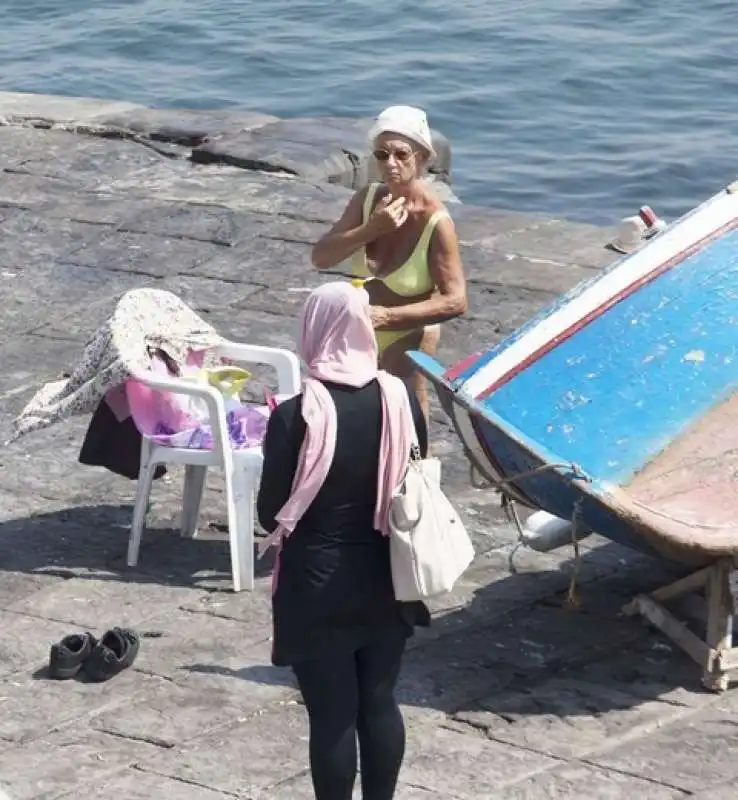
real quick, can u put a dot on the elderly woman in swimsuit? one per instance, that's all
(402, 242)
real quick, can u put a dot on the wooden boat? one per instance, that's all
(617, 405)
(619, 400)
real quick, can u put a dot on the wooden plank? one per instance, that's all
(728, 659)
(719, 625)
(691, 583)
(669, 625)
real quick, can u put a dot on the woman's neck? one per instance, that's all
(413, 192)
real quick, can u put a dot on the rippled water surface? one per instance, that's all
(585, 108)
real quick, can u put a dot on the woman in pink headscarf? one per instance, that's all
(333, 455)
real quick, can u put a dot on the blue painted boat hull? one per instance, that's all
(607, 385)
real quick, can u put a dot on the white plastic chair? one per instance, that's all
(242, 468)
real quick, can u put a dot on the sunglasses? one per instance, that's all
(401, 155)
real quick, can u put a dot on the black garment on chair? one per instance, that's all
(114, 445)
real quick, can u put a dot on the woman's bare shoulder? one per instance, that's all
(433, 202)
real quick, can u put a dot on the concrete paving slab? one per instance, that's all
(243, 607)
(20, 144)
(25, 642)
(87, 293)
(431, 688)
(277, 750)
(247, 325)
(478, 224)
(32, 238)
(18, 586)
(103, 604)
(132, 784)
(688, 754)
(487, 266)
(30, 192)
(52, 470)
(288, 229)
(219, 226)
(91, 162)
(68, 540)
(466, 766)
(204, 294)
(582, 781)
(142, 254)
(722, 791)
(26, 359)
(302, 789)
(96, 207)
(567, 717)
(167, 715)
(31, 705)
(189, 645)
(37, 772)
(257, 261)
(504, 308)
(561, 242)
(652, 669)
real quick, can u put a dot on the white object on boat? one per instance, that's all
(545, 532)
(634, 230)
(630, 234)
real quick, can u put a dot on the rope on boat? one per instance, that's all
(477, 480)
(508, 505)
(578, 474)
(511, 512)
(572, 595)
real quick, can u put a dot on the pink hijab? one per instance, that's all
(337, 344)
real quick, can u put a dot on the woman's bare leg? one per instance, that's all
(394, 359)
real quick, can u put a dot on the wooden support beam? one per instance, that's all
(715, 655)
(719, 625)
(690, 583)
(677, 631)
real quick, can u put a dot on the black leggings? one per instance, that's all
(350, 694)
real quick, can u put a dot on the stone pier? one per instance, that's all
(509, 695)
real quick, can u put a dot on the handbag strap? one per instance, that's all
(415, 454)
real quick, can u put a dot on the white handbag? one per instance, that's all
(429, 545)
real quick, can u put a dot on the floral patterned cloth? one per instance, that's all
(144, 320)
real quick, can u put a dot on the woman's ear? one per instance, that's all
(421, 160)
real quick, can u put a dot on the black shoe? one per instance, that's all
(116, 651)
(68, 656)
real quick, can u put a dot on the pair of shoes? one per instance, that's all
(96, 660)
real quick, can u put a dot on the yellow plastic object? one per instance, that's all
(229, 381)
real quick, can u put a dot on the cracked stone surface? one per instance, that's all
(508, 695)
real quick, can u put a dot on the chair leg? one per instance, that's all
(194, 486)
(143, 489)
(240, 497)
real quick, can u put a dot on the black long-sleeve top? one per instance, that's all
(334, 578)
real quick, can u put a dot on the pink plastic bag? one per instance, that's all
(178, 420)
(153, 410)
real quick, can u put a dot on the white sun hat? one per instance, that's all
(407, 121)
